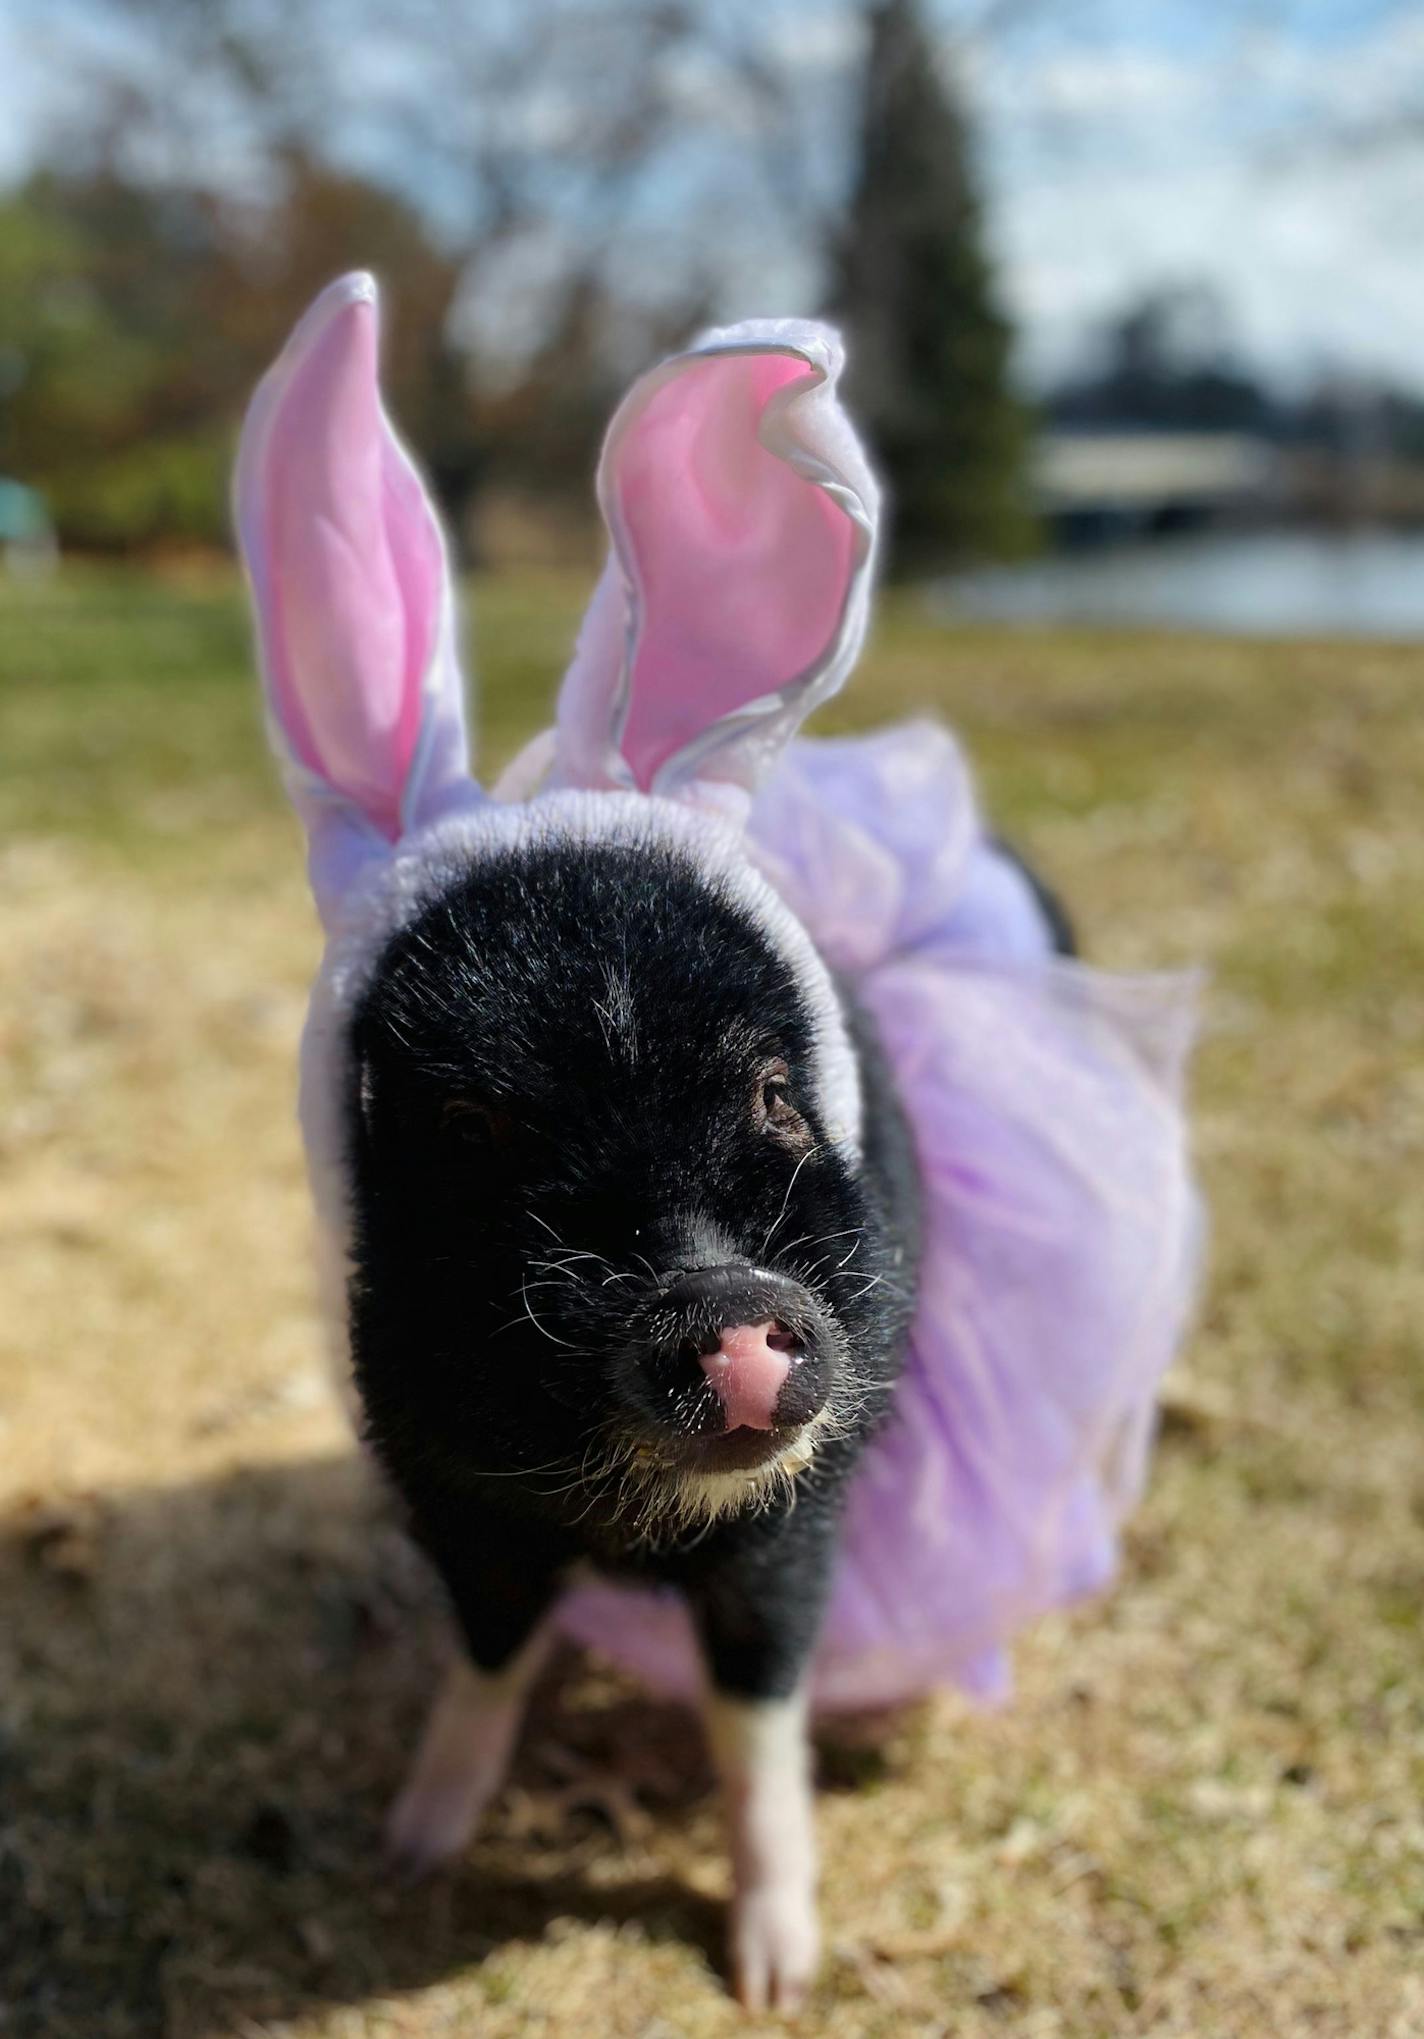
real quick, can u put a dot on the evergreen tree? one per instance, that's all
(914, 292)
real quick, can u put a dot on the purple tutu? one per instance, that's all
(1061, 1239)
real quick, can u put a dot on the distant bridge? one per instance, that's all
(1137, 480)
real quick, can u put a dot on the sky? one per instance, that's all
(1262, 147)
(1257, 148)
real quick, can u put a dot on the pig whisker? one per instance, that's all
(520, 1472)
(569, 1253)
(867, 1281)
(824, 1239)
(614, 1451)
(539, 1325)
(590, 1472)
(807, 1275)
(508, 1325)
(571, 1257)
(786, 1200)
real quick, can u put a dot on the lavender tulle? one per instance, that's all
(1062, 1233)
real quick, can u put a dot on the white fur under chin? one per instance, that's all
(666, 1502)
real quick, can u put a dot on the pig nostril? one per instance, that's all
(781, 1340)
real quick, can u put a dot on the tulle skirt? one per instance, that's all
(1062, 1234)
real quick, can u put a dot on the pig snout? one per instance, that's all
(756, 1339)
(748, 1371)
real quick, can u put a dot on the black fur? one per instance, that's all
(567, 1097)
(1056, 917)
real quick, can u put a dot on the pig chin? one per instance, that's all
(735, 1451)
(680, 1488)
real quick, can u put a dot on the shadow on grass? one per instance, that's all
(209, 1693)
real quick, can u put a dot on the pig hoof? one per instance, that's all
(776, 1946)
(427, 1829)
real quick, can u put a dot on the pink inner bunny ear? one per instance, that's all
(349, 583)
(742, 514)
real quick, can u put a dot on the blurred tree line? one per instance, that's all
(1167, 361)
(552, 195)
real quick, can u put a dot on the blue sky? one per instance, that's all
(1129, 143)
(1242, 145)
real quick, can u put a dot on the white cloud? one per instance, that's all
(1115, 168)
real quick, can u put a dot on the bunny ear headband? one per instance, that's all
(742, 517)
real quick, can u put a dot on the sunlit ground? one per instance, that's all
(1205, 1812)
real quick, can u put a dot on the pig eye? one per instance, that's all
(775, 1111)
(474, 1123)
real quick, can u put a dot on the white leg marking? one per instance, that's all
(462, 1760)
(763, 1757)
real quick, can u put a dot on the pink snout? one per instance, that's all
(748, 1372)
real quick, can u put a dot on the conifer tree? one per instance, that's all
(914, 292)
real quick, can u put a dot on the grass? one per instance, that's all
(1202, 1815)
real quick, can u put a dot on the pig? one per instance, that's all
(752, 1242)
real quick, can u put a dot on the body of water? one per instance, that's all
(1256, 583)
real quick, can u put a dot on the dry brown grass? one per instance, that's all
(1203, 1813)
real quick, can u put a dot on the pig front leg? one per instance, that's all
(462, 1761)
(762, 1754)
(469, 1738)
(758, 1619)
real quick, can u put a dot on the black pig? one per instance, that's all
(621, 1208)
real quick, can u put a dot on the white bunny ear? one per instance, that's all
(355, 615)
(743, 515)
